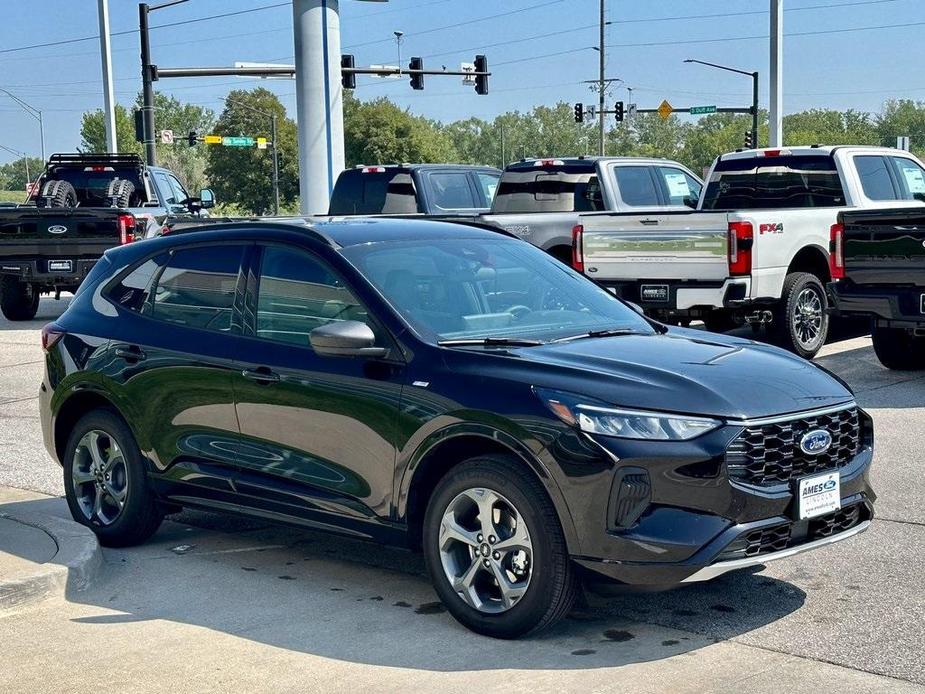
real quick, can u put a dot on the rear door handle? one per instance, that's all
(131, 353)
(261, 375)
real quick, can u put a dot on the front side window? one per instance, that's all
(179, 192)
(197, 288)
(465, 288)
(451, 190)
(636, 185)
(489, 184)
(911, 179)
(875, 177)
(679, 187)
(298, 293)
(165, 189)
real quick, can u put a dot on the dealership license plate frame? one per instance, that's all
(61, 266)
(664, 293)
(813, 505)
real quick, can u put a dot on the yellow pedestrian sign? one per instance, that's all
(212, 139)
(665, 110)
(261, 143)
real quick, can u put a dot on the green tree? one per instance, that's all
(826, 126)
(901, 117)
(379, 132)
(243, 176)
(13, 174)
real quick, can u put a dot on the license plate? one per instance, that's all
(819, 495)
(653, 292)
(60, 265)
(922, 303)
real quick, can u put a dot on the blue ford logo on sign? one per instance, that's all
(57, 229)
(816, 442)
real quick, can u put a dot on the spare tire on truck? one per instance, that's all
(57, 194)
(120, 192)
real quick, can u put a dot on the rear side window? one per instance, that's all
(636, 185)
(134, 290)
(197, 288)
(875, 177)
(451, 190)
(548, 189)
(361, 191)
(763, 183)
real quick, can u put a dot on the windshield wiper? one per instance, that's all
(607, 332)
(490, 342)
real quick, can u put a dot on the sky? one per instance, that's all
(837, 54)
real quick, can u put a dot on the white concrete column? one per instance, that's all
(109, 101)
(319, 101)
(777, 74)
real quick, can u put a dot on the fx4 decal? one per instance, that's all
(774, 228)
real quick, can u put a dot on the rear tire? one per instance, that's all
(121, 190)
(105, 481)
(898, 349)
(19, 301)
(801, 323)
(524, 548)
(57, 194)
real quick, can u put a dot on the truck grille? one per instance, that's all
(779, 537)
(768, 455)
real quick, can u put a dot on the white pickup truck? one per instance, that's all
(756, 249)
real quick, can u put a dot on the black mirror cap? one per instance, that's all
(347, 338)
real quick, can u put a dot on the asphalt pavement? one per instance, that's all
(214, 602)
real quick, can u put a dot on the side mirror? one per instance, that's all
(206, 198)
(347, 338)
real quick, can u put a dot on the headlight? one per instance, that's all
(596, 418)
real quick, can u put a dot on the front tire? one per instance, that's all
(105, 481)
(899, 349)
(495, 550)
(19, 301)
(801, 321)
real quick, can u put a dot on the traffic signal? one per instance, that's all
(481, 80)
(750, 140)
(139, 125)
(618, 111)
(348, 79)
(192, 138)
(579, 113)
(417, 79)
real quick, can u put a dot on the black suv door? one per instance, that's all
(318, 433)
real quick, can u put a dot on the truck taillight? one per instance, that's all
(51, 335)
(578, 248)
(837, 252)
(126, 224)
(741, 238)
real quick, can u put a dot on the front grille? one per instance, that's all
(769, 454)
(779, 537)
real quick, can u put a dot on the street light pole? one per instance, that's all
(754, 76)
(273, 136)
(601, 85)
(109, 102)
(32, 111)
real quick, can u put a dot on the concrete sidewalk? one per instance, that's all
(42, 554)
(214, 603)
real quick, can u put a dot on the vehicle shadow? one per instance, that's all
(360, 603)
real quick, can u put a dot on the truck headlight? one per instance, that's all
(597, 418)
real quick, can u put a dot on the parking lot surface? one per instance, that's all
(214, 602)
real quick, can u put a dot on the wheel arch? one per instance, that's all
(448, 448)
(74, 407)
(811, 259)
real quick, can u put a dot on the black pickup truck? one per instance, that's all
(878, 270)
(84, 204)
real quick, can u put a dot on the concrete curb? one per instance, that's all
(75, 565)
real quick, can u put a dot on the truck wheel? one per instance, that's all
(18, 300)
(121, 190)
(801, 322)
(495, 549)
(719, 321)
(57, 194)
(899, 349)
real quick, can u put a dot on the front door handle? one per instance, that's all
(131, 353)
(262, 375)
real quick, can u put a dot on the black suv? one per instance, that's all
(447, 388)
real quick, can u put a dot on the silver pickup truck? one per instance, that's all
(540, 200)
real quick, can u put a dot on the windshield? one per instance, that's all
(760, 183)
(465, 288)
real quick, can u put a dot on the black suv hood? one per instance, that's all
(686, 371)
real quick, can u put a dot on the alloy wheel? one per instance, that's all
(485, 550)
(99, 475)
(807, 317)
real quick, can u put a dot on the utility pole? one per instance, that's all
(501, 125)
(754, 76)
(776, 138)
(147, 85)
(32, 111)
(109, 102)
(275, 165)
(601, 86)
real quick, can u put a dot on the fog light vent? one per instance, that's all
(630, 496)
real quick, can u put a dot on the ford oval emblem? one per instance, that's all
(57, 229)
(816, 442)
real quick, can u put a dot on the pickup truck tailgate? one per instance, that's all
(885, 246)
(671, 246)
